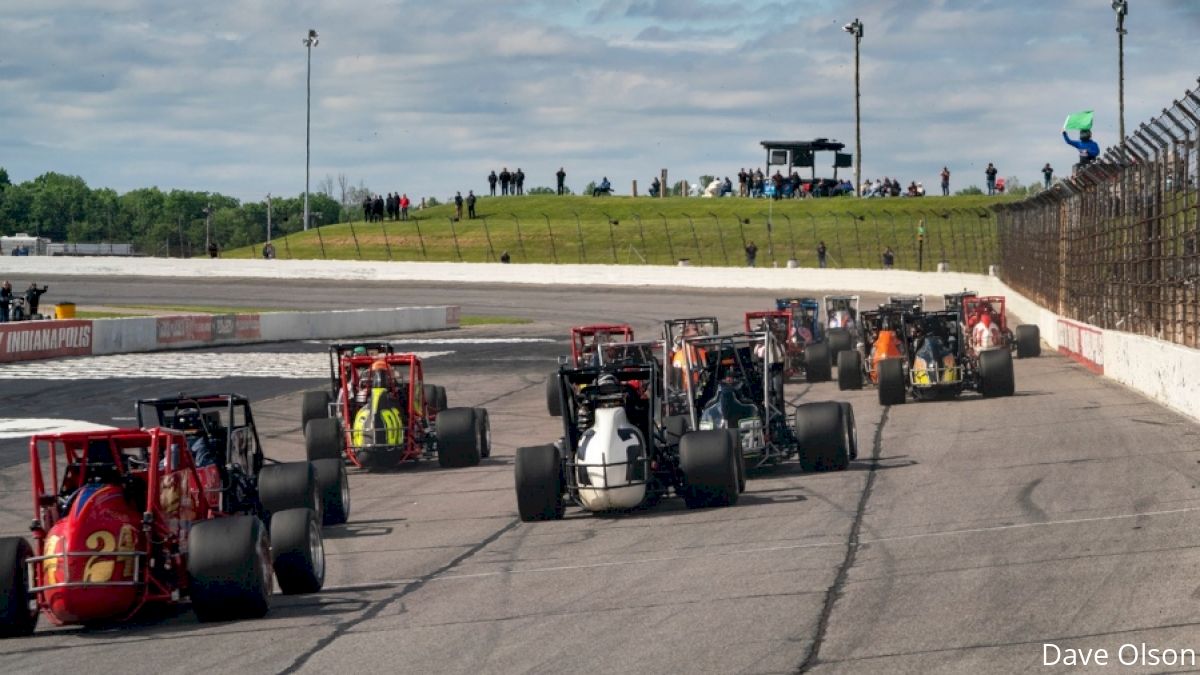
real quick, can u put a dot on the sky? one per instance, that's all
(426, 98)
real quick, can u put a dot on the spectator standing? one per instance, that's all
(458, 203)
(213, 250)
(1048, 174)
(505, 257)
(821, 252)
(471, 204)
(268, 251)
(751, 254)
(405, 203)
(378, 209)
(743, 190)
(492, 182)
(561, 177)
(505, 179)
(889, 258)
(390, 204)
(991, 172)
(519, 181)
(6, 297)
(945, 182)
(368, 208)
(655, 186)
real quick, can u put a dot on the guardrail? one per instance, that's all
(1117, 245)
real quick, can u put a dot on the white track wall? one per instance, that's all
(1156, 368)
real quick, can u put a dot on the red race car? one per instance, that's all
(590, 346)
(388, 415)
(801, 353)
(986, 326)
(124, 518)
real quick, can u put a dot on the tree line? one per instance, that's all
(64, 209)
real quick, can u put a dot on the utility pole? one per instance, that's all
(268, 217)
(207, 226)
(855, 28)
(309, 42)
(1121, 7)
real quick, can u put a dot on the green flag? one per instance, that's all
(1080, 120)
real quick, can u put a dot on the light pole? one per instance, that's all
(268, 217)
(1121, 7)
(855, 28)
(207, 226)
(309, 42)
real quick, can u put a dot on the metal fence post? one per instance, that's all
(667, 231)
(454, 235)
(553, 248)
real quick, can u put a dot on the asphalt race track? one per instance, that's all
(968, 533)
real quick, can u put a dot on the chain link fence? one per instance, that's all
(1117, 245)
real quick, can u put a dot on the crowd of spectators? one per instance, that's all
(890, 187)
(511, 182)
(14, 307)
(394, 205)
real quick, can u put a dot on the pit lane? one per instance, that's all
(968, 533)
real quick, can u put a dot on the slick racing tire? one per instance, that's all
(289, 485)
(229, 568)
(442, 404)
(851, 429)
(539, 483)
(1029, 341)
(314, 406)
(996, 373)
(333, 486)
(741, 459)
(818, 366)
(457, 438)
(821, 436)
(18, 617)
(892, 389)
(430, 396)
(484, 426)
(323, 439)
(553, 400)
(850, 373)
(839, 340)
(297, 551)
(709, 462)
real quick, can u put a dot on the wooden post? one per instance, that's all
(662, 192)
(635, 187)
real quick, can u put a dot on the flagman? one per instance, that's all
(1088, 149)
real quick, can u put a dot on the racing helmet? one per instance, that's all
(188, 421)
(986, 320)
(380, 374)
(360, 351)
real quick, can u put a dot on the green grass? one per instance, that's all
(83, 314)
(661, 231)
(479, 320)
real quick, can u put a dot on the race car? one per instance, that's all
(801, 354)
(912, 303)
(388, 415)
(591, 345)
(841, 323)
(221, 432)
(618, 452)
(674, 362)
(984, 321)
(127, 518)
(740, 388)
(883, 338)
(806, 315)
(935, 361)
(320, 403)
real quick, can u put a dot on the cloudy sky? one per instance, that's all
(426, 97)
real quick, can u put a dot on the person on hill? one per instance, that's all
(405, 203)
(751, 254)
(945, 181)
(990, 173)
(492, 181)
(505, 179)
(604, 188)
(889, 258)
(561, 178)
(1048, 174)
(471, 204)
(655, 187)
(458, 204)
(519, 181)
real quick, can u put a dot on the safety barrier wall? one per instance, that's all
(31, 340)
(1152, 366)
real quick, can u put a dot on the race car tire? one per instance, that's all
(297, 551)
(441, 397)
(553, 397)
(850, 374)
(289, 485)
(333, 485)
(821, 436)
(818, 366)
(839, 341)
(539, 483)
(892, 388)
(1029, 341)
(229, 568)
(323, 439)
(851, 429)
(708, 460)
(484, 426)
(314, 406)
(741, 459)
(457, 438)
(17, 617)
(996, 373)
(430, 396)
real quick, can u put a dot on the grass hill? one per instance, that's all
(634, 230)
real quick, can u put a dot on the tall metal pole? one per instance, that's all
(268, 217)
(855, 28)
(309, 42)
(1121, 7)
